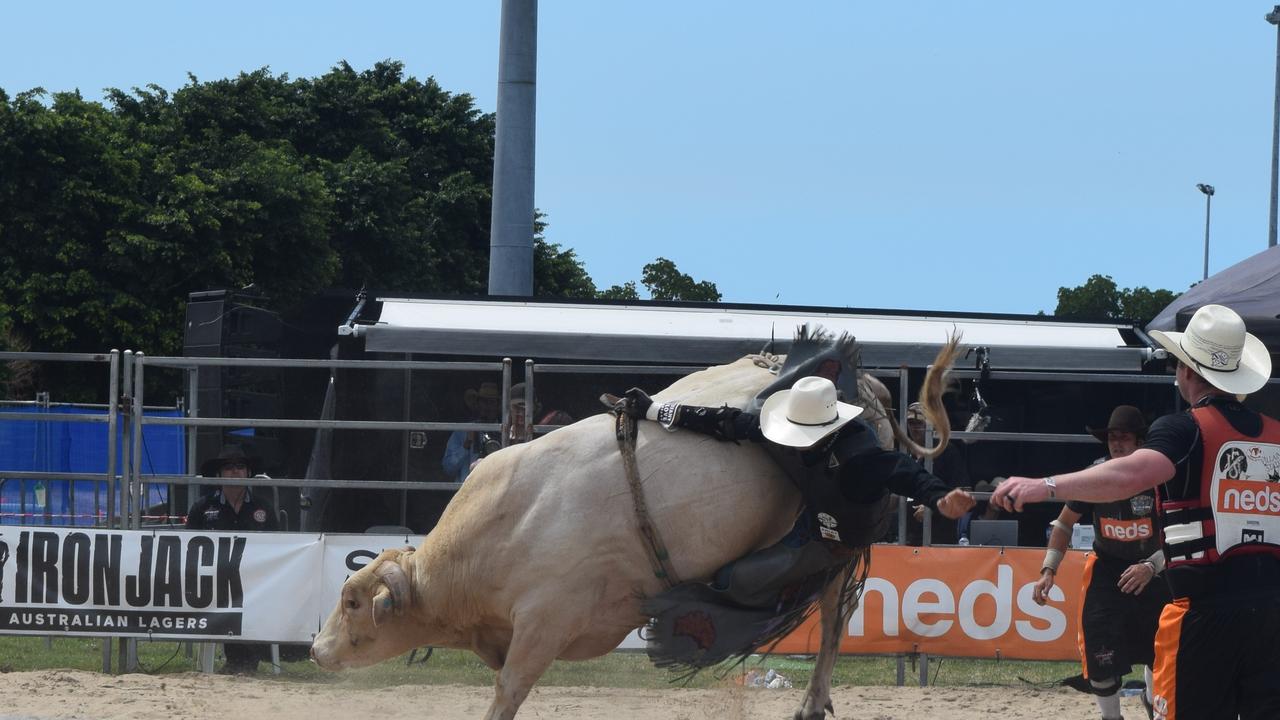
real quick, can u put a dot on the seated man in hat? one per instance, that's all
(233, 506)
(465, 447)
(1122, 604)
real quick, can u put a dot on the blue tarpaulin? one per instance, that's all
(75, 447)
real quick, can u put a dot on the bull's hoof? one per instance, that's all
(806, 712)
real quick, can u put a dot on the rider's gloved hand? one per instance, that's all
(638, 403)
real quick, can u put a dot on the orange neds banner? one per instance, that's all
(959, 601)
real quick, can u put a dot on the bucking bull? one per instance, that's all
(540, 556)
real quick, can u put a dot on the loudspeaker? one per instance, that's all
(222, 323)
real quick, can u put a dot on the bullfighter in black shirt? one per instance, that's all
(1122, 601)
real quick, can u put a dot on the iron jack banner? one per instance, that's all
(173, 584)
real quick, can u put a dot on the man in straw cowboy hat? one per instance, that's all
(834, 458)
(1122, 605)
(1216, 467)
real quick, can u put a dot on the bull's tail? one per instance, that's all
(935, 384)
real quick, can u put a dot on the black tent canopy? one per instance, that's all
(1251, 287)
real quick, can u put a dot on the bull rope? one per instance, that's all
(625, 429)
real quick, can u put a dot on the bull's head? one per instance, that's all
(369, 625)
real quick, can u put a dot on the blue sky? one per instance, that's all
(930, 156)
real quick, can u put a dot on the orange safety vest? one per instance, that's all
(1237, 511)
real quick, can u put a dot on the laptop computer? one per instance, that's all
(1002, 533)
(1082, 536)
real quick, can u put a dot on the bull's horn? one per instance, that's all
(390, 572)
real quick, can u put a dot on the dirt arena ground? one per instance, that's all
(50, 694)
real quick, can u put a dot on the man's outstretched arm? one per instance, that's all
(1112, 480)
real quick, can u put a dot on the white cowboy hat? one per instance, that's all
(805, 414)
(1217, 348)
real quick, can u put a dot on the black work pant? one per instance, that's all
(245, 656)
(1218, 660)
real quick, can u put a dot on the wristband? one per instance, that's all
(666, 414)
(1157, 561)
(1052, 484)
(1052, 559)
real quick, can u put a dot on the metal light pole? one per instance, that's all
(1208, 199)
(1273, 17)
(511, 223)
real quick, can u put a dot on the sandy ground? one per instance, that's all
(49, 694)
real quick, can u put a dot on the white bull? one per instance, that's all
(540, 556)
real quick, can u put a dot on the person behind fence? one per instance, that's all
(1216, 468)
(950, 467)
(234, 506)
(518, 432)
(983, 510)
(465, 447)
(1122, 597)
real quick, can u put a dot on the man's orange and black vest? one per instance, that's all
(1237, 510)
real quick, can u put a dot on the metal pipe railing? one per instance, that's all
(54, 417)
(556, 368)
(190, 362)
(126, 389)
(123, 508)
(263, 481)
(321, 424)
(56, 356)
(1063, 376)
(135, 407)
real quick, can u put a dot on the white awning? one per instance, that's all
(656, 333)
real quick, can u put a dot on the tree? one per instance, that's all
(1097, 299)
(112, 213)
(625, 291)
(664, 281)
(556, 272)
(1100, 299)
(1144, 304)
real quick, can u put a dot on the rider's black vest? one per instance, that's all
(823, 479)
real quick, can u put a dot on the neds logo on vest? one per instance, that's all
(87, 582)
(1126, 530)
(1249, 497)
